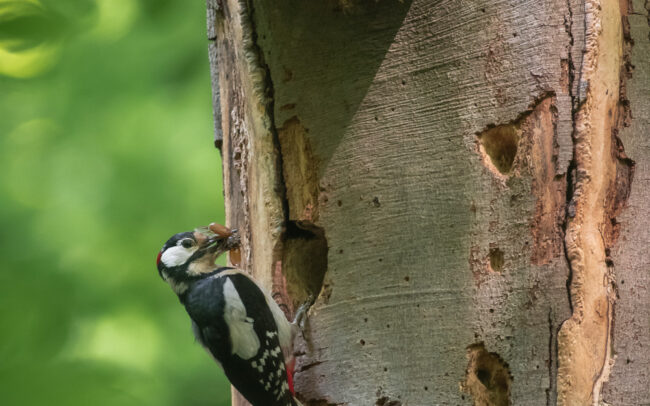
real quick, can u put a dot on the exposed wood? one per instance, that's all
(252, 183)
(584, 340)
(629, 380)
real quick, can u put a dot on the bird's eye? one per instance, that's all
(187, 243)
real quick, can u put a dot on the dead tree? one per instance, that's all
(450, 179)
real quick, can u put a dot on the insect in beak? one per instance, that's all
(217, 235)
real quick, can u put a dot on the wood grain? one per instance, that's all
(629, 381)
(391, 96)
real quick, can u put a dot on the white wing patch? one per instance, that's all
(175, 256)
(244, 341)
(281, 322)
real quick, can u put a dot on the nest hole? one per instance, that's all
(488, 378)
(497, 260)
(500, 145)
(304, 260)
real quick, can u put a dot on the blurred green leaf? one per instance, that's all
(106, 151)
(25, 25)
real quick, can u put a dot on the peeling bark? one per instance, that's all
(600, 191)
(629, 380)
(529, 144)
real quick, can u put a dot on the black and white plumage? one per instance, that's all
(236, 321)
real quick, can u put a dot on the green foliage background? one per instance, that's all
(106, 150)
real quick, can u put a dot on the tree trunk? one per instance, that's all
(450, 179)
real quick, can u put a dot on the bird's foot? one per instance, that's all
(301, 313)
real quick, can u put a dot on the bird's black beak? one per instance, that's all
(233, 241)
(211, 244)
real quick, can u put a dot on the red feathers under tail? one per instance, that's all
(290, 370)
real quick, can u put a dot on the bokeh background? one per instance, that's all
(105, 151)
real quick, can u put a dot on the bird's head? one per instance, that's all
(190, 255)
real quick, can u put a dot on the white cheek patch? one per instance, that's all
(176, 256)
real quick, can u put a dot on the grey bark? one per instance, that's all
(412, 164)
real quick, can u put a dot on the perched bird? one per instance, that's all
(235, 319)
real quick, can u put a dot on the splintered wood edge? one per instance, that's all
(584, 339)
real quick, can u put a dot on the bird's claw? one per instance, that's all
(301, 313)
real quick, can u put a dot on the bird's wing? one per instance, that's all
(283, 326)
(243, 338)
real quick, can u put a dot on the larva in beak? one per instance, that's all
(235, 256)
(224, 232)
(220, 230)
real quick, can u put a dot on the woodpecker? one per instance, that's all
(233, 318)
